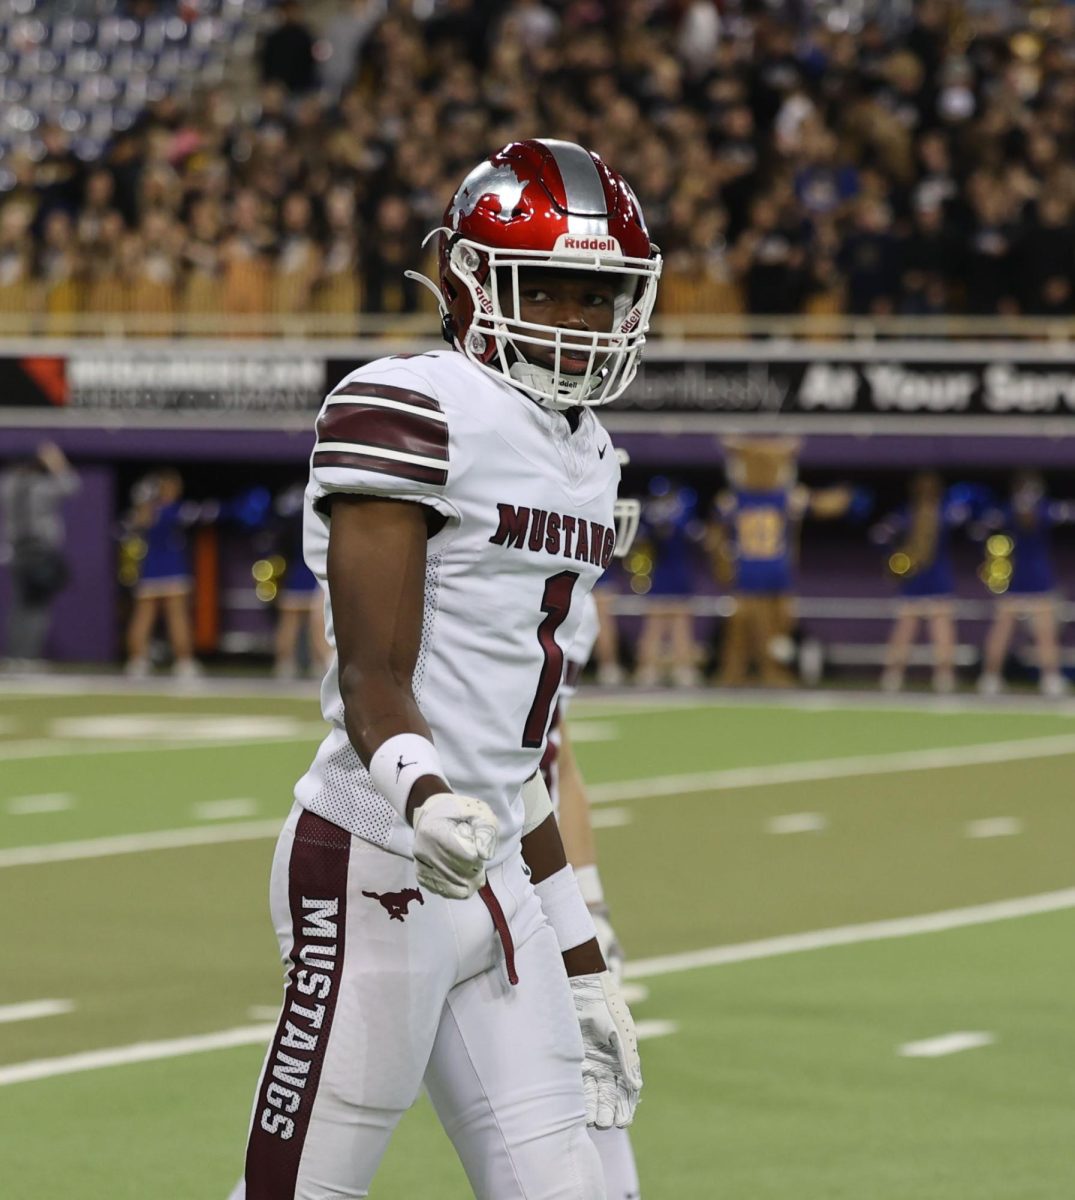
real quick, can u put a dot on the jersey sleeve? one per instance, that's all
(579, 652)
(383, 432)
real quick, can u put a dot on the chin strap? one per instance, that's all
(447, 325)
(541, 379)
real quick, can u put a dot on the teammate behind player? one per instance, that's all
(563, 778)
(461, 510)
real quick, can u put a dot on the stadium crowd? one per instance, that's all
(790, 158)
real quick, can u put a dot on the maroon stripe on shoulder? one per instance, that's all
(317, 891)
(415, 472)
(385, 427)
(385, 391)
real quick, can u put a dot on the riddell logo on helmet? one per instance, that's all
(601, 245)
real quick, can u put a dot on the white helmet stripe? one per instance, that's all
(586, 206)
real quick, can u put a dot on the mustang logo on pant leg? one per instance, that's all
(396, 903)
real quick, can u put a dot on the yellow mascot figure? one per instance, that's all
(753, 544)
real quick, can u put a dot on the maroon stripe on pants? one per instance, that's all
(317, 890)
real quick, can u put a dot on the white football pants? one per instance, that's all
(617, 1163)
(389, 985)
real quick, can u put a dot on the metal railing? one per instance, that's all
(424, 325)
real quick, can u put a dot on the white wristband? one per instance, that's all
(398, 763)
(590, 885)
(565, 909)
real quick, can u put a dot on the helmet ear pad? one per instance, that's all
(459, 304)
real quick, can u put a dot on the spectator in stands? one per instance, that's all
(340, 291)
(16, 265)
(201, 259)
(345, 39)
(989, 258)
(247, 254)
(60, 270)
(299, 259)
(869, 260)
(771, 257)
(287, 53)
(388, 253)
(842, 159)
(1046, 258)
(928, 259)
(58, 178)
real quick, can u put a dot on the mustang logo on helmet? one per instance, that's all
(487, 180)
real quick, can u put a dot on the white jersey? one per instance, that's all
(529, 530)
(578, 655)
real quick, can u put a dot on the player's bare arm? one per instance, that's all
(376, 577)
(576, 828)
(543, 852)
(376, 569)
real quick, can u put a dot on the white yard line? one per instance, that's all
(807, 700)
(654, 1028)
(590, 701)
(946, 1043)
(113, 1056)
(225, 810)
(68, 748)
(137, 843)
(48, 802)
(177, 727)
(957, 918)
(226, 1039)
(602, 793)
(31, 1010)
(797, 823)
(594, 731)
(994, 827)
(851, 935)
(264, 1012)
(1054, 746)
(611, 818)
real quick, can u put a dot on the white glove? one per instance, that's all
(611, 1071)
(611, 950)
(454, 837)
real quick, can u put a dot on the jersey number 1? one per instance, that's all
(555, 604)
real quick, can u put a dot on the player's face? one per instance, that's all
(579, 301)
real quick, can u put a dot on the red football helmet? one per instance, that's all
(554, 205)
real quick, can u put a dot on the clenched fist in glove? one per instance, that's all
(454, 837)
(611, 1071)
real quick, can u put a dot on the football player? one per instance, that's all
(459, 511)
(563, 778)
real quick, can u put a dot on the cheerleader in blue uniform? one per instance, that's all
(670, 531)
(158, 519)
(1024, 562)
(301, 604)
(922, 565)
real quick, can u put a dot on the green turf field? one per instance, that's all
(135, 839)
